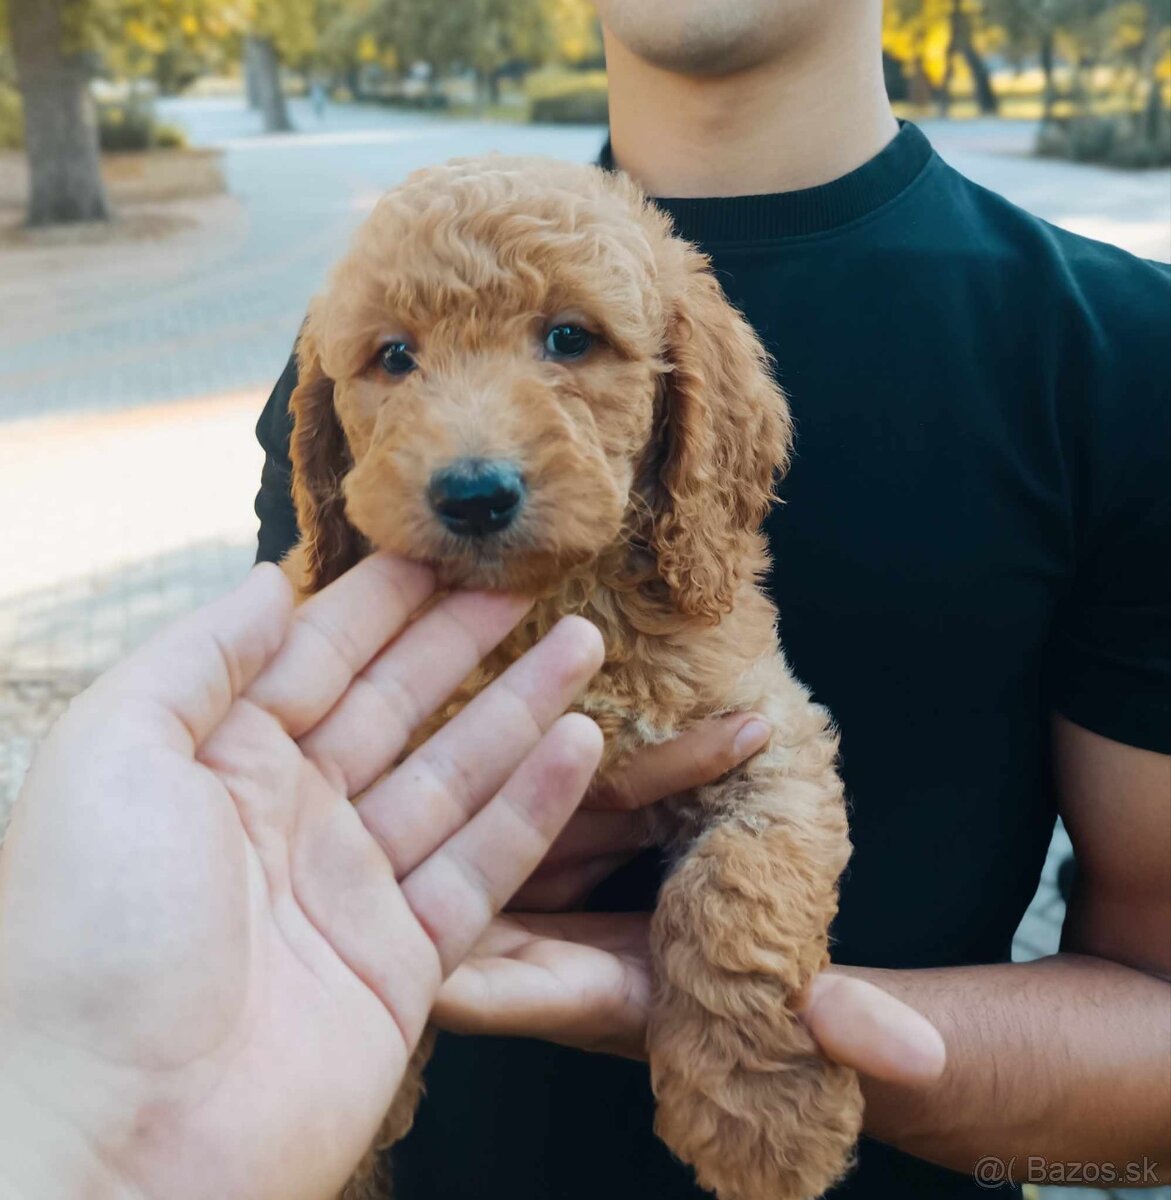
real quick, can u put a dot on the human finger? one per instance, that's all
(457, 890)
(195, 668)
(334, 634)
(859, 1025)
(580, 979)
(449, 777)
(700, 755)
(373, 721)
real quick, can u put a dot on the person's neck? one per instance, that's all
(797, 122)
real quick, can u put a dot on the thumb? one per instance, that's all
(195, 668)
(859, 1025)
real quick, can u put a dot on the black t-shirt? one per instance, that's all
(976, 534)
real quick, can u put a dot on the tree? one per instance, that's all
(59, 45)
(917, 33)
(574, 31)
(1138, 45)
(963, 17)
(1029, 27)
(501, 32)
(60, 126)
(262, 71)
(171, 41)
(933, 37)
(346, 41)
(1085, 34)
(280, 32)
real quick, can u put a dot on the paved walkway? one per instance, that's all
(131, 374)
(215, 308)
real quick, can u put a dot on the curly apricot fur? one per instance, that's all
(649, 466)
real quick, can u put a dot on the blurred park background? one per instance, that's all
(177, 175)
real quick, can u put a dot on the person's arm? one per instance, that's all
(1067, 1059)
(274, 501)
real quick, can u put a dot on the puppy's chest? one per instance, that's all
(645, 692)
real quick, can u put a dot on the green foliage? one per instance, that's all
(481, 34)
(584, 106)
(291, 26)
(175, 41)
(1093, 58)
(562, 97)
(132, 127)
(11, 119)
(172, 40)
(129, 126)
(1126, 141)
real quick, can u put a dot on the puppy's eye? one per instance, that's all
(396, 358)
(568, 341)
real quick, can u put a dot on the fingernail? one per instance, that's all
(751, 737)
(920, 1047)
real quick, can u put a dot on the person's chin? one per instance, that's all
(690, 38)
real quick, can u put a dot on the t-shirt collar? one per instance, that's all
(724, 219)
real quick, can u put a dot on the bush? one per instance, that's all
(11, 120)
(169, 137)
(894, 74)
(422, 102)
(1136, 142)
(121, 127)
(585, 106)
(132, 127)
(566, 97)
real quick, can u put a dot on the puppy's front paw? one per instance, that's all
(756, 1123)
(743, 1093)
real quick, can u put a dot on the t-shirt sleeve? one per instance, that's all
(1110, 654)
(274, 501)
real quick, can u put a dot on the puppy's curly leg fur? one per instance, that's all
(372, 1180)
(739, 932)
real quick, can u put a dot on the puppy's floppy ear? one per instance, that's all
(725, 430)
(321, 459)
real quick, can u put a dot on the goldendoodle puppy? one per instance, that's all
(519, 376)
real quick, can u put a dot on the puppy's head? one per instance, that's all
(517, 371)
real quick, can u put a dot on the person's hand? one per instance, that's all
(585, 980)
(214, 966)
(615, 819)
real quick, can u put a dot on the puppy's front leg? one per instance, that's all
(739, 932)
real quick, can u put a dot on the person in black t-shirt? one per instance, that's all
(972, 572)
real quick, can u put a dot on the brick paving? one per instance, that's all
(131, 374)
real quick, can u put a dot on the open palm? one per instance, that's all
(582, 979)
(214, 965)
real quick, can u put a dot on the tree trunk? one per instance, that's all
(1155, 110)
(267, 71)
(920, 89)
(961, 43)
(482, 78)
(1047, 65)
(953, 38)
(251, 80)
(986, 96)
(60, 132)
(1081, 95)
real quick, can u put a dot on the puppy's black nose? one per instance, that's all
(477, 496)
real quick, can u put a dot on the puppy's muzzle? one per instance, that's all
(477, 496)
